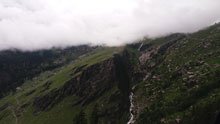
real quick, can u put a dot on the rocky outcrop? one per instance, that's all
(170, 40)
(3, 107)
(92, 82)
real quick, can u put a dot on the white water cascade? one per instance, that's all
(131, 120)
(131, 98)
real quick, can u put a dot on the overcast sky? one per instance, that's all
(36, 24)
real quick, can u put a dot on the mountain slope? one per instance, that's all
(89, 81)
(17, 66)
(173, 79)
(182, 83)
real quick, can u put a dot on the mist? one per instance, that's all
(42, 24)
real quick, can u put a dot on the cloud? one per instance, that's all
(37, 24)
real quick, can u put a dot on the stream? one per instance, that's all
(131, 120)
(131, 98)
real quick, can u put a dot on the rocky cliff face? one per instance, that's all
(90, 84)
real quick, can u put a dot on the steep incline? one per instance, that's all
(96, 85)
(182, 79)
(17, 66)
(174, 80)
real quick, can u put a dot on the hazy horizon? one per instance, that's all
(41, 24)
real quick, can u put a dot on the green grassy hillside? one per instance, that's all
(184, 84)
(18, 107)
(175, 80)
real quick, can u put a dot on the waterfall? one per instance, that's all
(140, 46)
(131, 120)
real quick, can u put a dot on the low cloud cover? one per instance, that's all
(39, 24)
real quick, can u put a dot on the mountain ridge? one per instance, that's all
(174, 79)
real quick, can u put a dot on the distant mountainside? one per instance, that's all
(173, 79)
(17, 66)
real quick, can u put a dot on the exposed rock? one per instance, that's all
(190, 73)
(4, 107)
(19, 89)
(147, 55)
(78, 69)
(30, 92)
(163, 120)
(177, 120)
(93, 81)
(147, 76)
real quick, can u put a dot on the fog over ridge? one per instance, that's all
(37, 24)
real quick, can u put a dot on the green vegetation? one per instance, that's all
(176, 80)
(80, 118)
(185, 86)
(64, 112)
